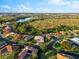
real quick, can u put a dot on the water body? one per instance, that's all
(23, 20)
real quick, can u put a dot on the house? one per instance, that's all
(64, 56)
(6, 31)
(39, 39)
(4, 47)
(48, 36)
(75, 40)
(28, 37)
(27, 52)
(67, 55)
(57, 34)
(68, 44)
(17, 36)
(7, 47)
(62, 32)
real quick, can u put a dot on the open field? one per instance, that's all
(50, 23)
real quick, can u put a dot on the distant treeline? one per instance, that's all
(5, 18)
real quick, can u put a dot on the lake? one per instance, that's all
(23, 20)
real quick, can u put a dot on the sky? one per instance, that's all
(39, 6)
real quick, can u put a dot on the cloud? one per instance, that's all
(59, 2)
(66, 3)
(5, 7)
(71, 4)
(16, 8)
(45, 6)
(74, 4)
(22, 8)
(55, 2)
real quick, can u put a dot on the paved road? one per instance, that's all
(52, 43)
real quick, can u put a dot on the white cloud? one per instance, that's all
(58, 2)
(5, 7)
(69, 4)
(22, 8)
(74, 4)
(16, 8)
(55, 2)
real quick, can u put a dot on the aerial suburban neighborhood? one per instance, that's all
(32, 36)
(39, 29)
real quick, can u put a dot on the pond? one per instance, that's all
(23, 20)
